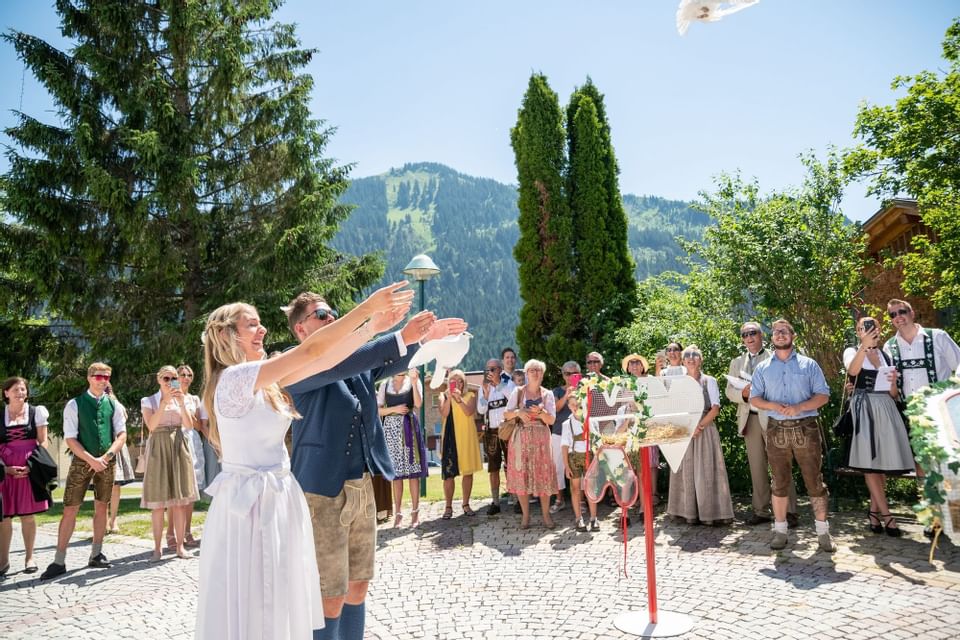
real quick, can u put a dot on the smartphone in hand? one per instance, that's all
(575, 379)
(174, 384)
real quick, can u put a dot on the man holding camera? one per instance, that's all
(491, 404)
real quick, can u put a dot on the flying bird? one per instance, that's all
(707, 11)
(448, 352)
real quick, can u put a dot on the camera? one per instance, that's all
(453, 385)
(869, 325)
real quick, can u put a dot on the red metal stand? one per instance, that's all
(648, 534)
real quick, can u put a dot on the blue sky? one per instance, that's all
(441, 80)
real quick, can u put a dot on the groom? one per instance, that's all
(338, 444)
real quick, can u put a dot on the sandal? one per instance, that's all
(447, 513)
(874, 515)
(414, 518)
(30, 566)
(397, 519)
(894, 531)
(467, 511)
(172, 544)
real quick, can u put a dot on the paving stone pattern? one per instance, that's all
(482, 577)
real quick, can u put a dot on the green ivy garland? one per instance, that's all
(930, 455)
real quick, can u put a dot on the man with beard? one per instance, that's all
(752, 426)
(791, 388)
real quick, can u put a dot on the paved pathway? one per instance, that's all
(482, 577)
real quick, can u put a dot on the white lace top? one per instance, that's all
(251, 431)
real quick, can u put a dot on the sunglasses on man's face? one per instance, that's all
(593, 362)
(101, 376)
(899, 312)
(749, 334)
(321, 314)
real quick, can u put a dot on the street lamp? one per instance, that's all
(421, 268)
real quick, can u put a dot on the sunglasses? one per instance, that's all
(749, 334)
(101, 376)
(186, 375)
(168, 378)
(321, 314)
(593, 362)
(673, 349)
(633, 362)
(570, 373)
(782, 332)
(492, 369)
(899, 312)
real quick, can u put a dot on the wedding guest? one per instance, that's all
(399, 399)
(24, 429)
(169, 482)
(94, 430)
(195, 440)
(674, 365)
(791, 388)
(460, 450)
(574, 446)
(530, 468)
(879, 447)
(699, 488)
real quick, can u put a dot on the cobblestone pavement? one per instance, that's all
(480, 577)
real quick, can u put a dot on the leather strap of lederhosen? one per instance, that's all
(927, 362)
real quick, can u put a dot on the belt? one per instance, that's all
(793, 422)
(253, 484)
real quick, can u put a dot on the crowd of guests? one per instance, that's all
(778, 392)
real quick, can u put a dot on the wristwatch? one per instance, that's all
(109, 455)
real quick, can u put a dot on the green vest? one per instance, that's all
(96, 423)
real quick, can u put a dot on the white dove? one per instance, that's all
(707, 11)
(448, 352)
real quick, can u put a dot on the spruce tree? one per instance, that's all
(605, 268)
(548, 317)
(184, 171)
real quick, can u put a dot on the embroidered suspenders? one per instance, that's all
(926, 362)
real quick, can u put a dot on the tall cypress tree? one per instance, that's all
(605, 270)
(184, 171)
(548, 318)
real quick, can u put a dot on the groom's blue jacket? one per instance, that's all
(340, 435)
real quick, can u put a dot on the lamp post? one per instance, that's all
(421, 268)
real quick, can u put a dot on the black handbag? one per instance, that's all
(843, 425)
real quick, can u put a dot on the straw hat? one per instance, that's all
(634, 356)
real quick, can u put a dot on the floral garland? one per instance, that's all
(930, 455)
(611, 387)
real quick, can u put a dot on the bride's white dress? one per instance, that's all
(258, 569)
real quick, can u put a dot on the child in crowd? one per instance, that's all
(573, 444)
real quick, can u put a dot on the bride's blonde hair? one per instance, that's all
(221, 350)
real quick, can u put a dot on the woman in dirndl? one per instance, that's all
(169, 481)
(399, 399)
(24, 428)
(530, 467)
(879, 446)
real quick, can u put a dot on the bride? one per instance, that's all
(258, 570)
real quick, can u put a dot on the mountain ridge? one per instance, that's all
(468, 225)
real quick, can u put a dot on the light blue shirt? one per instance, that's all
(788, 382)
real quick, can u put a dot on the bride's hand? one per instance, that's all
(383, 320)
(390, 298)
